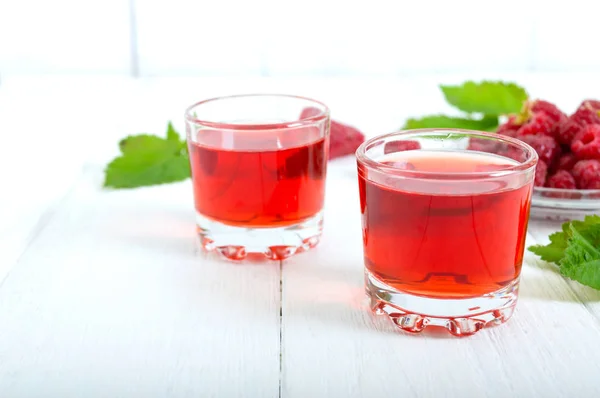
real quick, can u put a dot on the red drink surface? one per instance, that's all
(259, 178)
(445, 239)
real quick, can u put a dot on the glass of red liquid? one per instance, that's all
(444, 220)
(258, 169)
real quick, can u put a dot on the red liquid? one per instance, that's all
(445, 239)
(261, 178)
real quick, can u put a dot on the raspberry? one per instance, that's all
(567, 130)
(482, 145)
(343, 140)
(566, 162)
(587, 113)
(549, 108)
(546, 147)
(540, 117)
(510, 128)
(586, 144)
(510, 133)
(562, 179)
(512, 153)
(399, 146)
(541, 171)
(540, 123)
(587, 174)
(309, 112)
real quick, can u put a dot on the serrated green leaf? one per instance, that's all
(576, 250)
(144, 143)
(554, 251)
(442, 121)
(487, 97)
(150, 169)
(587, 273)
(589, 227)
(149, 160)
(581, 261)
(172, 134)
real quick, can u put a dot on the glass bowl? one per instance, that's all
(564, 204)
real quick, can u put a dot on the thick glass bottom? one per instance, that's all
(278, 243)
(461, 317)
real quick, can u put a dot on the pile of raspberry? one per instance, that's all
(568, 146)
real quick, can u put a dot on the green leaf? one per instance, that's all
(554, 251)
(582, 257)
(172, 134)
(487, 97)
(141, 143)
(589, 227)
(148, 160)
(488, 123)
(586, 273)
(576, 250)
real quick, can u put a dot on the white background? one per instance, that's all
(280, 38)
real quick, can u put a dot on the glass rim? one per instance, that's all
(299, 122)
(529, 163)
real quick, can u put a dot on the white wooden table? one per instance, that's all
(105, 293)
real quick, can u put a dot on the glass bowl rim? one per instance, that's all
(299, 122)
(583, 192)
(561, 199)
(524, 166)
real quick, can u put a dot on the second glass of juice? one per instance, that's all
(258, 167)
(444, 221)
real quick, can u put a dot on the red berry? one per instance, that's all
(587, 174)
(541, 171)
(586, 144)
(510, 133)
(510, 128)
(546, 147)
(539, 123)
(482, 145)
(309, 112)
(399, 146)
(587, 113)
(567, 130)
(562, 179)
(512, 153)
(344, 140)
(541, 117)
(549, 108)
(566, 162)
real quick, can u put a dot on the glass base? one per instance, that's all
(279, 243)
(461, 317)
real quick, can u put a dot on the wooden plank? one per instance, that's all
(37, 165)
(114, 299)
(23, 221)
(333, 346)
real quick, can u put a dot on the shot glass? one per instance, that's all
(444, 220)
(258, 166)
